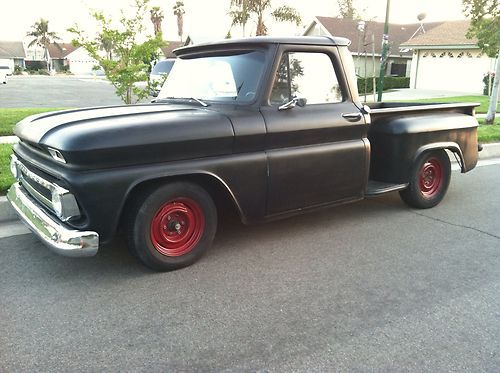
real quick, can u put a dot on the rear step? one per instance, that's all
(376, 188)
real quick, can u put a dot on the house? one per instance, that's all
(81, 63)
(62, 57)
(12, 54)
(58, 55)
(171, 45)
(444, 59)
(399, 59)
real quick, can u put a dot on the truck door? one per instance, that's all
(318, 152)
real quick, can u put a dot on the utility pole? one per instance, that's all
(385, 49)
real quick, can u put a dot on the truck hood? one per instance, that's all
(132, 134)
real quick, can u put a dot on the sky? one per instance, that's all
(207, 18)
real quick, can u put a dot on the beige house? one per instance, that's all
(399, 59)
(444, 59)
(12, 54)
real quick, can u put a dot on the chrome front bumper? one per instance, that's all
(52, 232)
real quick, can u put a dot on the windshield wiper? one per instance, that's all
(204, 104)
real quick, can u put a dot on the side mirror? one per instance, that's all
(295, 101)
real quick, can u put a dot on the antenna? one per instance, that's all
(421, 28)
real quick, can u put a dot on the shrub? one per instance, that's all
(35, 65)
(18, 70)
(486, 81)
(390, 82)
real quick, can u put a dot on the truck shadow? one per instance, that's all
(234, 243)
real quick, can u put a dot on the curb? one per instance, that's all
(490, 151)
(9, 139)
(7, 212)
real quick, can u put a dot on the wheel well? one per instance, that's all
(450, 147)
(223, 199)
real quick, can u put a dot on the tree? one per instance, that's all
(156, 19)
(43, 38)
(242, 11)
(346, 9)
(485, 27)
(179, 13)
(129, 64)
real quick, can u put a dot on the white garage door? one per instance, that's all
(460, 71)
(81, 67)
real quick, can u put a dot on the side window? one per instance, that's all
(306, 75)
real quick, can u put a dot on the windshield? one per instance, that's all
(230, 78)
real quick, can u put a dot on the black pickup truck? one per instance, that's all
(274, 126)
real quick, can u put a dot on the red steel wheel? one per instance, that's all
(170, 226)
(428, 180)
(431, 177)
(177, 227)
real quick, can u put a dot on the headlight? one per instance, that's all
(13, 166)
(64, 204)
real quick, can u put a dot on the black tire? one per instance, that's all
(429, 180)
(172, 226)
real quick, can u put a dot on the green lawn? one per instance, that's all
(483, 100)
(490, 133)
(6, 178)
(10, 116)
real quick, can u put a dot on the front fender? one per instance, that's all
(103, 193)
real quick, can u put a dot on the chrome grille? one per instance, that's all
(54, 197)
(37, 187)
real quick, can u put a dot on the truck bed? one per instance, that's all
(401, 131)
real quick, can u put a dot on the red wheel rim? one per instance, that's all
(431, 178)
(177, 227)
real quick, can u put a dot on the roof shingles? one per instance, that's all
(60, 50)
(448, 33)
(167, 51)
(398, 33)
(12, 49)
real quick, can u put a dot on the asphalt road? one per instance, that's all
(373, 286)
(56, 91)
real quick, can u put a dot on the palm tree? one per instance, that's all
(243, 10)
(106, 43)
(43, 38)
(179, 12)
(239, 14)
(156, 19)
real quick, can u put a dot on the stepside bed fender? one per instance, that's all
(451, 146)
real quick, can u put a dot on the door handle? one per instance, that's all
(352, 117)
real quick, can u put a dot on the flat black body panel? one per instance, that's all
(398, 138)
(315, 156)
